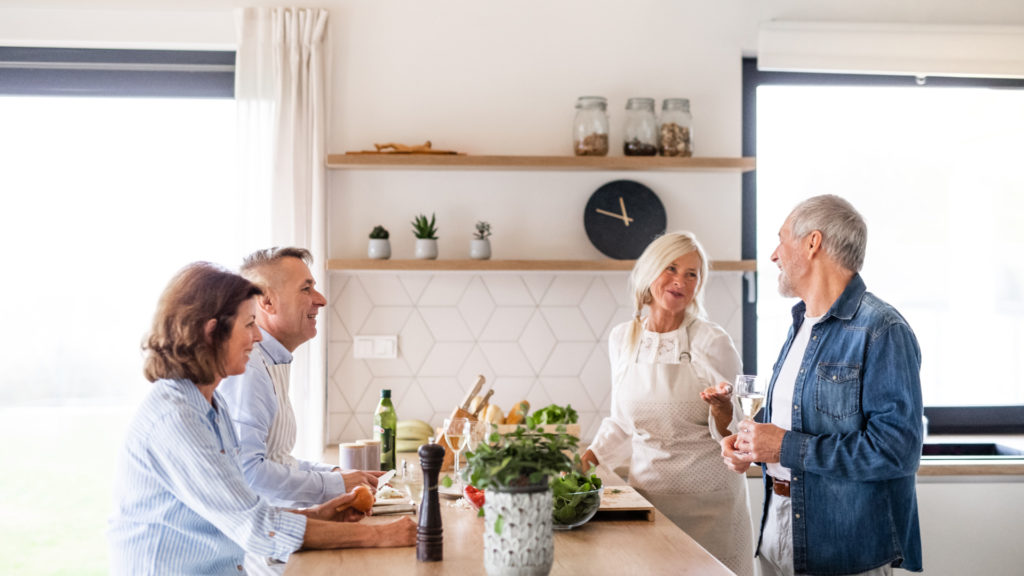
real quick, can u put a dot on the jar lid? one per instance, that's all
(640, 103)
(592, 102)
(676, 104)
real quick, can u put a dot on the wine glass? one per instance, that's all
(750, 391)
(478, 433)
(457, 432)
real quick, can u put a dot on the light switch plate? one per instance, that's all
(375, 347)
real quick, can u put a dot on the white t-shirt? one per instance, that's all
(782, 411)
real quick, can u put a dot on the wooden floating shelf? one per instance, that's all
(513, 265)
(468, 162)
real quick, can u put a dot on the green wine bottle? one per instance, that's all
(385, 423)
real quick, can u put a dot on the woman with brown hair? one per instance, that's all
(182, 505)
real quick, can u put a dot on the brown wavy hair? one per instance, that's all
(176, 346)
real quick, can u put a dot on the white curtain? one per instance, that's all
(281, 93)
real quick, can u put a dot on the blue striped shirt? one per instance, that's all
(254, 405)
(181, 504)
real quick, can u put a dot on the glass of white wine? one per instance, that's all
(456, 432)
(749, 390)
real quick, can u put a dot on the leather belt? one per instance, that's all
(780, 487)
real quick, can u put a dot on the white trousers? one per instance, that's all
(776, 557)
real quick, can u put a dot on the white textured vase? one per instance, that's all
(426, 248)
(480, 249)
(525, 545)
(379, 249)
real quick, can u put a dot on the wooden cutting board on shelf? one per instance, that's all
(622, 502)
(570, 429)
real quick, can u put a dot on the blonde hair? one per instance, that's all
(656, 258)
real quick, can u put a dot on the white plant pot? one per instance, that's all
(480, 249)
(379, 249)
(426, 248)
(526, 545)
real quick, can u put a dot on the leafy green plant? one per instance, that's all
(483, 230)
(379, 233)
(423, 228)
(554, 414)
(520, 458)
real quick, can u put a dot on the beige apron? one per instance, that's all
(280, 441)
(282, 434)
(676, 464)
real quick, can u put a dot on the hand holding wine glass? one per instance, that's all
(750, 391)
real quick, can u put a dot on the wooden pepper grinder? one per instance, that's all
(429, 541)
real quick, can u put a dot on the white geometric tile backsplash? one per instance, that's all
(538, 336)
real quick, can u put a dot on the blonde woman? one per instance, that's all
(671, 404)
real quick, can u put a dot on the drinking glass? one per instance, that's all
(478, 433)
(750, 391)
(457, 432)
(413, 484)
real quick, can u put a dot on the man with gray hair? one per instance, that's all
(840, 441)
(258, 399)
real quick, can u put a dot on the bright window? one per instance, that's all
(104, 199)
(935, 172)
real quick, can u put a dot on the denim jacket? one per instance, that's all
(856, 440)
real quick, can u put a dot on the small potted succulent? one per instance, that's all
(426, 236)
(380, 246)
(480, 245)
(515, 471)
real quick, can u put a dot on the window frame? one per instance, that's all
(941, 419)
(102, 72)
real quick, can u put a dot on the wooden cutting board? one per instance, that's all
(624, 501)
(570, 429)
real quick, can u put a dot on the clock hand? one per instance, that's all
(625, 218)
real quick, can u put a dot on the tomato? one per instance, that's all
(475, 497)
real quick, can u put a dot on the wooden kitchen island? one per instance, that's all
(598, 547)
(602, 546)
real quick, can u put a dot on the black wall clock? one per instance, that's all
(622, 217)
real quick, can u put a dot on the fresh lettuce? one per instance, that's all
(572, 498)
(554, 414)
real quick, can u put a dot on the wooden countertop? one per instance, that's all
(621, 545)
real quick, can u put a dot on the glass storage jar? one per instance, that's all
(590, 127)
(674, 128)
(641, 132)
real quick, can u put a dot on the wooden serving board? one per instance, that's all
(622, 501)
(571, 429)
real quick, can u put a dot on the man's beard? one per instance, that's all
(786, 289)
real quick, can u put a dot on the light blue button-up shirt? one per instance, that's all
(181, 504)
(253, 404)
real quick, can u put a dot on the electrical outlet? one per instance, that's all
(375, 347)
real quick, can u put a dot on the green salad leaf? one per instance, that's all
(571, 503)
(553, 414)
